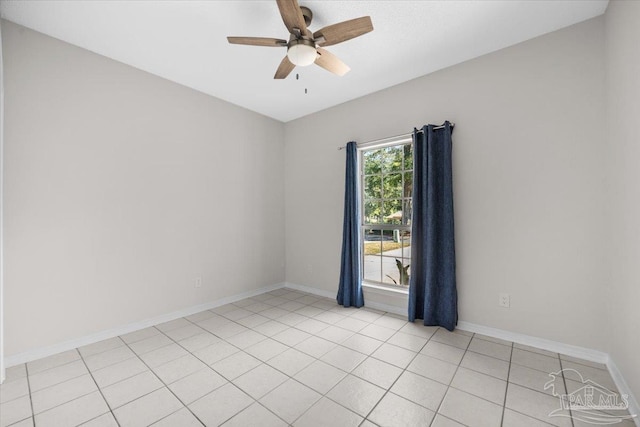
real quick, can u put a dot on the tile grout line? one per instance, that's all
(56, 384)
(106, 350)
(388, 389)
(350, 373)
(243, 350)
(317, 358)
(558, 355)
(566, 389)
(123, 379)
(506, 390)
(365, 418)
(516, 384)
(289, 348)
(99, 389)
(541, 392)
(53, 367)
(71, 400)
(162, 382)
(33, 415)
(380, 360)
(139, 397)
(218, 373)
(76, 360)
(135, 354)
(531, 417)
(324, 308)
(452, 378)
(367, 355)
(63, 403)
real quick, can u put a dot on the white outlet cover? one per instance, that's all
(504, 300)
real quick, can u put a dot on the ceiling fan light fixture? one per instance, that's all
(304, 47)
(302, 52)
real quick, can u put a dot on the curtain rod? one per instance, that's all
(404, 135)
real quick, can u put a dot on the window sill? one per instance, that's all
(384, 290)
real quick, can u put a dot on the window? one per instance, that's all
(386, 182)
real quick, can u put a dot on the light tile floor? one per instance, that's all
(289, 358)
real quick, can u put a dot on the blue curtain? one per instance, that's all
(432, 284)
(350, 289)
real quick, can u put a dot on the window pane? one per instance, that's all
(407, 211)
(372, 187)
(392, 211)
(386, 199)
(408, 184)
(408, 156)
(372, 161)
(392, 186)
(390, 273)
(372, 241)
(387, 236)
(392, 159)
(392, 245)
(406, 263)
(406, 243)
(371, 254)
(392, 251)
(372, 271)
(372, 212)
(395, 271)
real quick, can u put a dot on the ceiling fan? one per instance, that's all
(304, 47)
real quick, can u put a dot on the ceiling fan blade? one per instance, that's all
(330, 62)
(342, 31)
(257, 41)
(292, 15)
(284, 68)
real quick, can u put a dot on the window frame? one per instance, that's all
(361, 148)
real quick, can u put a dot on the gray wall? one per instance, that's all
(121, 189)
(623, 205)
(528, 181)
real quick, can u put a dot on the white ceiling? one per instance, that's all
(185, 41)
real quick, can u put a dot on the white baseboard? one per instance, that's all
(623, 388)
(544, 344)
(39, 353)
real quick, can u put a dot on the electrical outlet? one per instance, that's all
(198, 282)
(504, 300)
